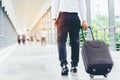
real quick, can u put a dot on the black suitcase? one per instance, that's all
(96, 57)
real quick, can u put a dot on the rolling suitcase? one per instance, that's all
(96, 57)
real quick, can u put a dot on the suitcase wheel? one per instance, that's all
(105, 75)
(91, 75)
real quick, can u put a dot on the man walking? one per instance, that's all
(68, 17)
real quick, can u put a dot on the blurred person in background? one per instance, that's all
(43, 37)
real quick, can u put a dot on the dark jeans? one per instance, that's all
(68, 23)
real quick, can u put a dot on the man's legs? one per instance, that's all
(74, 40)
(61, 41)
(62, 32)
(68, 22)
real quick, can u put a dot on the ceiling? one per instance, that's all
(26, 12)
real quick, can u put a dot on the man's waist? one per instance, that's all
(74, 13)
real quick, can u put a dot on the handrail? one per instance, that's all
(107, 28)
(7, 37)
(104, 31)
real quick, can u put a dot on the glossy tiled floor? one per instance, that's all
(35, 62)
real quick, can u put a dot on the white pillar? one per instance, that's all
(112, 24)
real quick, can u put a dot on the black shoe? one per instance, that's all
(64, 70)
(73, 69)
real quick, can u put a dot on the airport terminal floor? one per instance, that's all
(27, 19)
(36, 62)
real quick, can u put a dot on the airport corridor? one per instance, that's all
(36, 62)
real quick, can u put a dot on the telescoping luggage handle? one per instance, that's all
(90, 32)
